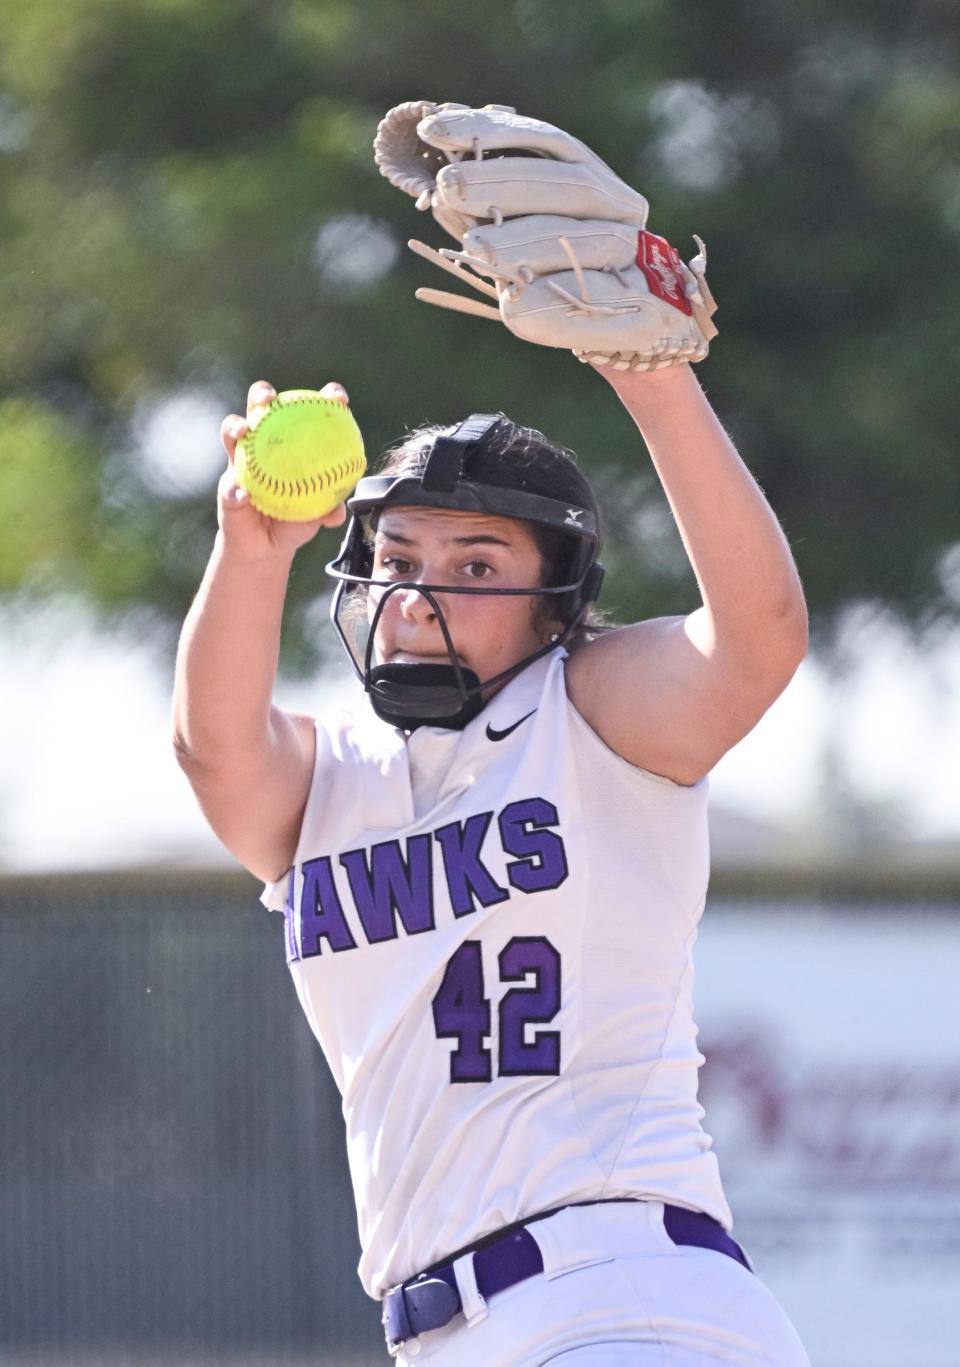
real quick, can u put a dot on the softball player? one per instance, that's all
(491, 875)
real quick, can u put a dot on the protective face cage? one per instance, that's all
(447, 695)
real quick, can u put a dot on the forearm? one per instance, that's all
(746, 574)
(227, 660)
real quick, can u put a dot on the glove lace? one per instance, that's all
(585, 305)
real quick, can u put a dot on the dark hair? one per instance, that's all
(515, 457)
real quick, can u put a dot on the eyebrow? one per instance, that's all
(481, 539)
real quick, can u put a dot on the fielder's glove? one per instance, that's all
(549, 232)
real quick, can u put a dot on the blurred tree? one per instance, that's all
(188, 202)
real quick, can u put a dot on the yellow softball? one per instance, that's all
(301, 456)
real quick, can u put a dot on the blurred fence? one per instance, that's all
(173, 1184)
(172, 1169)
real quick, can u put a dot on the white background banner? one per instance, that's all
(832, 1090)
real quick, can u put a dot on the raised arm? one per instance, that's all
(552, 234)
(249, 763)
(674, 694)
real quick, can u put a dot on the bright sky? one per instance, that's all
(88, 778)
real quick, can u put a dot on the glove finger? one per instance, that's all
(532, 245)
(515, 187)
(497, 128)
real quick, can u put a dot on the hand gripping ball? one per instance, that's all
(301, 456)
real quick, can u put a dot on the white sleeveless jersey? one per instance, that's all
(490, 932)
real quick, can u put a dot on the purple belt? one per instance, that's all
(512, 1255)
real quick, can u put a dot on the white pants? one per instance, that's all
(615, 1290)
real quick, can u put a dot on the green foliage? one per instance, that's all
(188, 201)
(47, 495)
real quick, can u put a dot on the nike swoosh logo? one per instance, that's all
(502, 735)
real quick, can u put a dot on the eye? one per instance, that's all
(478, 569)
(396, 566)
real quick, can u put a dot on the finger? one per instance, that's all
(335, 390)
(261, 393)
(515, 185)
(456, 130)
(534, 242)
(336, 518)
(232, 429)
(229, 492)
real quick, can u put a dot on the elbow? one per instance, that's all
(771, 651)
(185, 752)
(796, 629)
(198, 753)
(179, 720)
(182, 752)
(793, 631)
(787, 641)
(201, 772)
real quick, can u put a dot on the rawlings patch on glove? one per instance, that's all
(550, 233)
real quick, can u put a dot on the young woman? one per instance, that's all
(492, 873)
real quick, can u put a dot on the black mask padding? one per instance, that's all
(412, 695)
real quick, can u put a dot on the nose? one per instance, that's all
(414, 607)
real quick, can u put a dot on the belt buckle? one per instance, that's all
(413, 1307)
(395, 1320)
